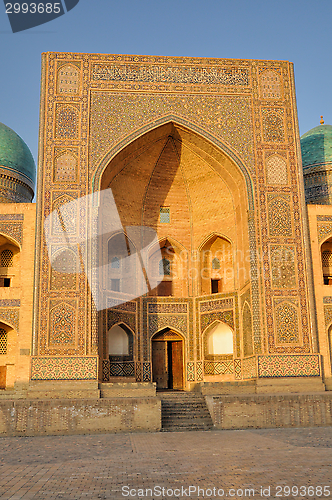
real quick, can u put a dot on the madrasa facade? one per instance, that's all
(182, 232)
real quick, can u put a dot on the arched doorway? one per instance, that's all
(167, 360)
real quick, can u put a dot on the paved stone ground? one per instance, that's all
(99, 466)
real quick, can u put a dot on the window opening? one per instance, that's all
(115, 263)
(4, 282)
(215, 263)
(3, 341)
(7, 258)
(164, 267)
(215, 286)
(164, 215)
(115, 285)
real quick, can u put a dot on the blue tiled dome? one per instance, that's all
(15, 154)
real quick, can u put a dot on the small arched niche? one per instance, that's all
(166, 270)
(7, 355)
(218, 340)
(9, 262)
(216, 259)
(326, 256)
(120, 345)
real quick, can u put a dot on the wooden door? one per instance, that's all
(177, 365)
(3, 373)
(159, 364)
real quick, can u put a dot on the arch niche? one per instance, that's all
(177, 182)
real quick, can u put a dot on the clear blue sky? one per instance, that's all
(294, 30)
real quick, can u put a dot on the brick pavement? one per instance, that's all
(98, 466)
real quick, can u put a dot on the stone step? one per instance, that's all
(183, 411)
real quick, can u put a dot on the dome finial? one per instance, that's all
(321, 120)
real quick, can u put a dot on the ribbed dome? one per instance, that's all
(15, 154)
(316, 146)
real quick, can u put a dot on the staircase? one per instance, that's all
(184, 411)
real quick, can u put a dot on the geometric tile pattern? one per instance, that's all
(270, 85)
(12, 229)
(11, 317)
(65, 168)
(249, 367)
(199, 371)
(283, 266)
(62, 324)
(273, 129)
(324, 230)
(287, 323)
(295, 365)
(280, 218)
(276, 170)
(213, 305)
(328, 315)
(138, 372)
(146, 372)
(64, 368)
(223, 316)
(247, 330)
(10, 302)
(66, 124)
(218, 367)
(122, 369)
(237, 369)
(191, 371)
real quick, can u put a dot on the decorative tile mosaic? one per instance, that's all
(324, 230)
(226, 117)
(146, 372)
(13, 230)
(168, 308)
(125, 306)
(238, 369)
(116, 316)
(283, 266)
(287, 323)
(276, 171)
(11, 317)
(270, 85)
(247, 330)
(199, 371)
(64, 368)
(289, 366)
(62, 324)
(249, 367)
(10, 302)
(138, 372)
(280, 219)
(214, 305)
(158, 321)
(273, 125)
(328, 315)
(65, 168)
(122, 369)
(218, 367)
(4, 217)
(68, 79)
(223, 316)
(106, 370)
(169, 74)
(327, 300)
(191, 371)
(66, 122)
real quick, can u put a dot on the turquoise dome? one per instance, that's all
(316, 146)
(15, 154)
